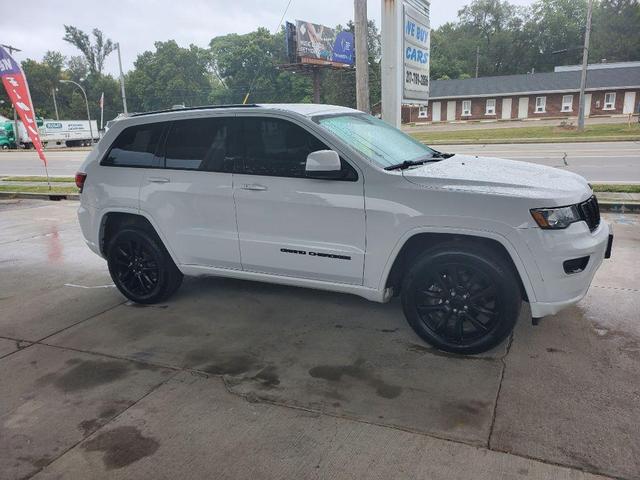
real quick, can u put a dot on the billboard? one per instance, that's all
(317, 42)
(416, 52)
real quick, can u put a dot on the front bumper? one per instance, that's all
(555, 288)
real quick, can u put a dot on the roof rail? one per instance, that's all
(202, 107)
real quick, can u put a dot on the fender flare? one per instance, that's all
(139, 213)
(488, 234)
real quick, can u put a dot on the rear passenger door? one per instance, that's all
(289, 224)
(190, 197)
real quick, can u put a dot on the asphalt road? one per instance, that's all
(615, 162)
(239, 380)
(597, 162)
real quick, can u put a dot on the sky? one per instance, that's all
(137, 24)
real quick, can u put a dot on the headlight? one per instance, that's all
(556, 218)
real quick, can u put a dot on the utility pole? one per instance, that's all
(362, 56)
(585, 62)
(16, 135)
(316, 85)
(124, 96)
(391, 62)
(477, 59)
(55, 104)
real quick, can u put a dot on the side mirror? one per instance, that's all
(323, 164)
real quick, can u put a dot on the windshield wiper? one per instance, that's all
(436, 157)
(406, 164)
(437, 154)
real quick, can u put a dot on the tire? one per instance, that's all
(461, 298)
(141, 267)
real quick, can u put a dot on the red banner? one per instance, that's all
(15, 83)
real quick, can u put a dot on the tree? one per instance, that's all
(555, 25)
(248, 63)
(170, 75)
(43, 77)
(513, 39)
(77, 68)
(95, 53)
(615, 33)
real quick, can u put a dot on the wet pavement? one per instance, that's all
(233, 379)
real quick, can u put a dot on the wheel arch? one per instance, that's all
(113, 220)
(416, 242)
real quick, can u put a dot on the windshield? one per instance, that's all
(375, 139)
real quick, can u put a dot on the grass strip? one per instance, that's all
(602, 131)
(616, 188)
(38, 178)
(38, 189)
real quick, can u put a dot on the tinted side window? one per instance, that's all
(135, 146)
(276, 147)
(199, 144)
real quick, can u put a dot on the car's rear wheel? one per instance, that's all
(141, 267)
(461, 298)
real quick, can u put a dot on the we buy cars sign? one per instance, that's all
(15, 83)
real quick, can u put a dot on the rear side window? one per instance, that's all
(135, 146)
(199, 144)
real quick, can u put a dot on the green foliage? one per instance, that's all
(514, 39)
(616, 35)
(94, 53)
(248, 63)
(170, 75)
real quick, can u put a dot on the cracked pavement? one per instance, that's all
(233, 379)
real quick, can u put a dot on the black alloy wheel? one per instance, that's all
(461, 300)
(141, 267)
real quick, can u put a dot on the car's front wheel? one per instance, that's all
(461, 298)
(141, 267)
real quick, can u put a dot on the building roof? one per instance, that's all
(596, 66)
(551, 82)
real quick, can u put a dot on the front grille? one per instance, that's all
(590, 212)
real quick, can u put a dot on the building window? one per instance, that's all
(422, 111)
(609, 101)
(541, 104)
(567, 103)
(466, 108)
(491, 107)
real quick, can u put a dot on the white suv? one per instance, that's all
(331, 198)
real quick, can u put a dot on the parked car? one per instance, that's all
(331, 198)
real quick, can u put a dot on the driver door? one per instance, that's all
(289, 224)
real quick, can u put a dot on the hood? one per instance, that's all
(500, 177)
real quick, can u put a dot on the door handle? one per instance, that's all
(158, 180)
(253, 186)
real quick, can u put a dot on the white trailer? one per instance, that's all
(72, 133)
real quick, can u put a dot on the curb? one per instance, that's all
(619, 207)
(41, 196)
(609, 207)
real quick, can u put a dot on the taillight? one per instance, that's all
(80, 179)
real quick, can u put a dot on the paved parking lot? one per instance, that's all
(235, 379)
